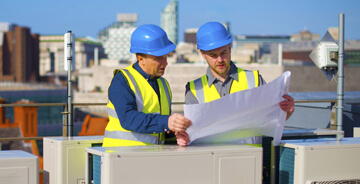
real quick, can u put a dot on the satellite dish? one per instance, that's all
(325, 56)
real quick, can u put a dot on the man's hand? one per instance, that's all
(178, 123)
(182, 138)
(287, 105)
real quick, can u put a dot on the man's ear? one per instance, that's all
(140, 59)
(202, 54)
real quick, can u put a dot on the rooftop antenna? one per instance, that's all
(340, 86)
(69, 50)
(328, 56)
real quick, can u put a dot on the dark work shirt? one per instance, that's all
(124, 101)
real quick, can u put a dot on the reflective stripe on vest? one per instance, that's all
(139, 99)
(165, 87)
(204, 93)
(199, 90)
(250, 79)
(115, 133)
(133, 136)
(112, 113)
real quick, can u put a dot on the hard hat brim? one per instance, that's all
(164, 51)
(214, 45)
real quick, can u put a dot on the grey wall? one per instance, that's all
(303, 79)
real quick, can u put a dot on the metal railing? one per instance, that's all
(96, 104)
(65, 133)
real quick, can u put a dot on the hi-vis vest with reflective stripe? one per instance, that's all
(246, 80)
(201, 90)
(147, 101)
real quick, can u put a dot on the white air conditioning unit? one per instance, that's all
(305, 161)
(356, 131)
(173, 164)
(17, 166)
(64, 158)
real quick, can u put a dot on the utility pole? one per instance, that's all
(69, 45)
(340, 84)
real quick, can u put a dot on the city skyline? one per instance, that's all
(87, 18)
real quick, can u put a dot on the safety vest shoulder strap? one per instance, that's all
(201, 90)
(252, 78)
(246, 80)
(203, 93)
(197, 89)
(147, 98)
(136, 89)
(164, 89)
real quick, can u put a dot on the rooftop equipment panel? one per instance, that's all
(174, 164)
(64, 158)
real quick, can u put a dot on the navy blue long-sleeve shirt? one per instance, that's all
(123, 99)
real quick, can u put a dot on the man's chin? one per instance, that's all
(159, 74)
(220, 72)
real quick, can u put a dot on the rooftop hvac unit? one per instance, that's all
(270, 153)
(313, 161)
(173, 164)
(309, 133)
(356, 131)
(17, 166)
(64, 158)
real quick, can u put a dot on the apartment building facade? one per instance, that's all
(19, 54)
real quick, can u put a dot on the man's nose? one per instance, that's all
(220, 58)
(164, 60)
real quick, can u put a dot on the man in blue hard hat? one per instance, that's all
(139, 104)
(222, 76)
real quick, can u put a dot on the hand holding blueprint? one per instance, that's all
(240, 115)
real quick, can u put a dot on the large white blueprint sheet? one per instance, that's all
(241, 115)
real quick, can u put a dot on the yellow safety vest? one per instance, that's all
(147, 102)
(201, 90)
(246, 80)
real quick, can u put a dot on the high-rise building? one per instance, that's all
(116, 37)
(52, 54)
(169, 21)
(19, 54)
(6, 26)
(190, 35)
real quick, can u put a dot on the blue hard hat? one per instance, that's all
(151, 39)
(212, 35)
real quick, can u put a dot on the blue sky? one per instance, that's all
(255, 17)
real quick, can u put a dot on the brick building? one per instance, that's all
(19, 54)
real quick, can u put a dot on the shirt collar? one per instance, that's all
(233, 71)
(141, 71)
(232, 74)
